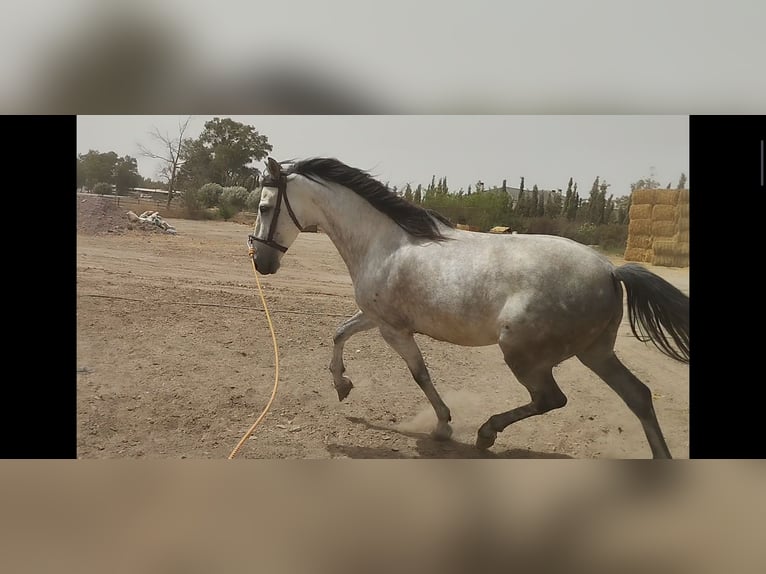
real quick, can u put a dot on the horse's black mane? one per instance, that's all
(414, 219)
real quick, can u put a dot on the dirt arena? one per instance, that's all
(175, 360)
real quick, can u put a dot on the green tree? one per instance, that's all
(567, 199)
(593, 201)
(408, 193)
(418, 195)
(197, 168)
(126, 174)
(645, 183)
(102, 188)
(623, 209)
(553, 205)
(80, 177)
(609, 209)
(574, 205)
(96, 167)
(520, 202)
(682, 181)
(601, 216)
(234, 146)
(532, 208)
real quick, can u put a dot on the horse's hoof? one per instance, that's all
(442, 431)
(343, 388)
(483, 442)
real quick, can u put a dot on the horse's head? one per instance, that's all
(276, 225)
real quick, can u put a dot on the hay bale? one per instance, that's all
(682, 236)
(683, 196)
(648, 256)
(640, 241)
(666, 197)
(640, 227)
(662, 260)
(661, 212)
(683, 211)
(670, 261)
(663, 229)
(643, 211)
(637, 254)
(641, 196)
(633, 254)
(664, 248)
(683, 225)
(682, 249)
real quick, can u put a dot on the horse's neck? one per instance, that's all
(358, 230)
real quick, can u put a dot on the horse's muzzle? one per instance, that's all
(266, 258)
(266, 261)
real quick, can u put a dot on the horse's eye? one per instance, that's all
(264, 208)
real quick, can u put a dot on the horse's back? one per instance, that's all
(543, 262)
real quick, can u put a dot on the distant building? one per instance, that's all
(151, 193)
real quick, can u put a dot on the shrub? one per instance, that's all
(587, 234)
(102, 188)
(192, 202)
(541, 225)
(209, 195)
(234, 197)
(226, 210)
(613, 237)
(253, 199)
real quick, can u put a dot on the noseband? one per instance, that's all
(281, 196)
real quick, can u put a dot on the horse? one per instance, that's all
(543, 299)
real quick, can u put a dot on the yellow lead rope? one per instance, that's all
(276, 363)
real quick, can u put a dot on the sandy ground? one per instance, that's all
(175, 360)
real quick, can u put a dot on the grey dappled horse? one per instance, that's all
(542, 299)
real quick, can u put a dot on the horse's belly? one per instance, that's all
(459, 332)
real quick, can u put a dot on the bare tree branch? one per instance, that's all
(170, 153)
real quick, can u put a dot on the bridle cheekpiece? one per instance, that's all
(281, 197)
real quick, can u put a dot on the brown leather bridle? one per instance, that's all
(281, 196)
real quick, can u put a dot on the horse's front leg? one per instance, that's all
(404, 343)
(356, 324)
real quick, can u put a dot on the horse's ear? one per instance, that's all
(274, 168)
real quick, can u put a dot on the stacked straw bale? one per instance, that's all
(639, 246)
(659, 227)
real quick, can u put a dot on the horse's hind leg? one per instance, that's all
(544, 392)
(404, 344)
(356, 324)
(636, 394)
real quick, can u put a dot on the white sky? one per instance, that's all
(546, 150)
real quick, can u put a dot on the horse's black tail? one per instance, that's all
(657, 311)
